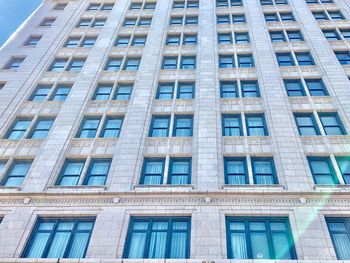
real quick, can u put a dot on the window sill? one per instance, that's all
(252, 187)
(163, 188)
(332, 188)
(75, 189)
(9, 189)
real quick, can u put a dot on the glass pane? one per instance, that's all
(281, 246)
(79, 244)
(178, 245)
(239, 246)
(342, 245)
(157, 245)
(137, 245)
(14, 181)
(37, 247)
(58, 245)
(260, 249)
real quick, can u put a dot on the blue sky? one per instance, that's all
(13, 13)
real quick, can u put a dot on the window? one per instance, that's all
(88, 42)
(228, 89)
(169, 63)
(71, 173)
(259, 238)
(93, 7)
(59, 238)
(173, 40)
(306, 124)
(61, 93)
(107, 7)
(14, 63)
(122, 41)
(58, 65)
(103, 92)
(322, 170)
(150, 6)
(32, 41)
(320, 16)
(99, 23)
(41, 128)
(130, 22)
(135, 6)
(316, 87)
(232, 125)
(295, 36)
(224, 19)
(340, 234)
(238, 19)
(191, 20)
(287, 17)
(72, 42)
(345, 33)
(60, 6)
(16, 174)
(183, 126)
(277, 36)
(158, 237)
(179, 171)
(250, 89)
(47, 22)
(159, 126)
(40, 93)
(285, 59)
(271, 18)
(179, 4)
(83, 23)
(89, 127)
(165, 91)
(112, 127)
(344, 167)
(152, 171)
(138, 41)
(343, 57)
(336, 15)
(235, 171)
(18, 129)
(294, 88)
(145, 22)
(189, 40)
(97, 172)
(225, 39)
(185, 90)
(264, 171)
(241, 38)
(245, 61)
(226, 61)
(188, 62)
(256, 125)
(123, 92)
(331, 35)
(113, 64)
(132, 64)
(331, 123)
(304, 59)
(176, 20)
(76, 65)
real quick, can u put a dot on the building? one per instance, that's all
(192, 131)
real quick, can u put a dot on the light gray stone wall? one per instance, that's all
(207, 200)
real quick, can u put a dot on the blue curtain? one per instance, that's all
(112, 128)
(160, 127)
(264, 173)
(232, 124)
(179, 240)
(153, 173)
(18, 171)
(341, 240)
(183, 127)
(180, 172)
(158, 240)
(37, 247)
(98, 173)
(60, 240)
(256, 125)
(19, 129)
(90, 128)
(235, 172)
(42, 129)
(72, 173)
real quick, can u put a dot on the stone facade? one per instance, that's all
(207, 200)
